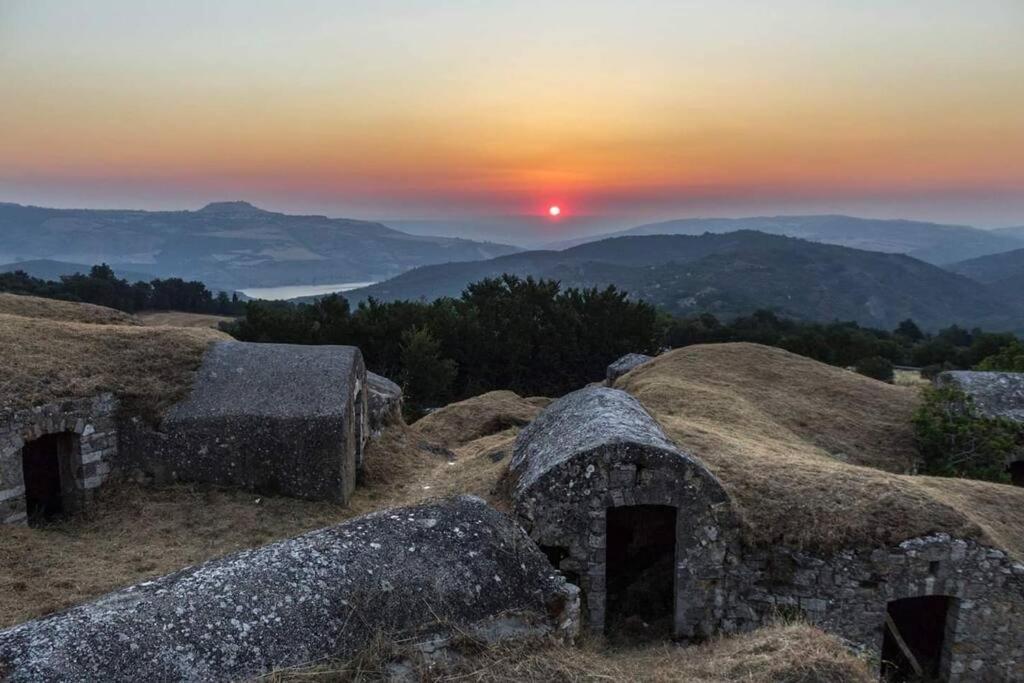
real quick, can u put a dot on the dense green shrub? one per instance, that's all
(1009, 359)
(876, 367)
(954, 441)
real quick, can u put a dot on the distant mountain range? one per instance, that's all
(228, 244)
(735, 273)
(931, 242)
(1002, 272)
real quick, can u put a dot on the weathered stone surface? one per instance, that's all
(384, 400)
(995, 394)
(597, 449)
(271, 418)
(624, 365)
(417, 572)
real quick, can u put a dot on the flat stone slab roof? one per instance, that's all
(270, 380)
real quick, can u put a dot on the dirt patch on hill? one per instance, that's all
(149, 368)
(66, 311)
(490, 413)
(810, 452)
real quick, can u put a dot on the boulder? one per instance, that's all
(995, 394)
(415, 574)
(384, 400)
(624, 365)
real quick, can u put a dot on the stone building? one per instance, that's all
(54, 456)
(269, 418)
(651, 537)
(994, 395)
(402, 573)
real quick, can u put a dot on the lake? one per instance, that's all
(295, 291)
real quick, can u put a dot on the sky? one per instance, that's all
(628, 111)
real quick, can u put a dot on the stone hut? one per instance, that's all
(418, 575)
(996, 395)
(53, 457)
(624, 365)
(638, 524)
(270, 418)
(651, 536)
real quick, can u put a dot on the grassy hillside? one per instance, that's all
(736, 273)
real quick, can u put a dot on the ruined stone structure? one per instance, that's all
(384, 402)
(270, 418)
(624, 365)
(995, 395)
(612, 501)
(605, 493)
(418, 574)
(53, 456)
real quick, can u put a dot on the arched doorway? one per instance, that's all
(47, 470)
(640, 570)
(914, 644)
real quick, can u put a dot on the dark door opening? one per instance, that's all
(1016, 469)
(46, 464)
(640, 570)
(915, 631)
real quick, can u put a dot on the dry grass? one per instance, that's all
(66, 311)
(793, 653)
(149, 368)
(909, 378)
(180, 319)
(802, 447)
(489, 413)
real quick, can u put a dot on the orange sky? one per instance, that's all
(432, 108)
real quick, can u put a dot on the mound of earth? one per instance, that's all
(490, 413)
(149, 368)
(66, 311)
(812, 454)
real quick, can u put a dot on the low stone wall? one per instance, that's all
(414, 574)
(847, 594)
(93, 422)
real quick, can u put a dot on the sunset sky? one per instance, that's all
(435, 109)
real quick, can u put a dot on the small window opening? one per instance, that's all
(914, 641)
(46, 466)
(640, 566)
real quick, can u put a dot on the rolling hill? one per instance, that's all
(228, 244)
(931, 242)
(993, 269)
(735, 273)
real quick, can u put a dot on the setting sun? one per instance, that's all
(554, 211)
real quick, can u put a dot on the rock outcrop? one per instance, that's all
(414, 573)
(384, 400)
(624, 365)
(995, 394)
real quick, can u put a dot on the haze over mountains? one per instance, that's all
(736, 273)
(932, 242)
(227, 244)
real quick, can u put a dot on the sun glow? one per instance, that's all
(554, 211)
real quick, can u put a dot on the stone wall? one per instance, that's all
(847, 594)
(94, 424)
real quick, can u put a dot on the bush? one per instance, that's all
(876, 367)
(954, 441)
(1009, 359)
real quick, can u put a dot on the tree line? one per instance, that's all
(101, 286)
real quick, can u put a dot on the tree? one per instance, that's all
(955, 441)
(1009, 359)
(909, 330)
(876, 367)
(426, 376)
